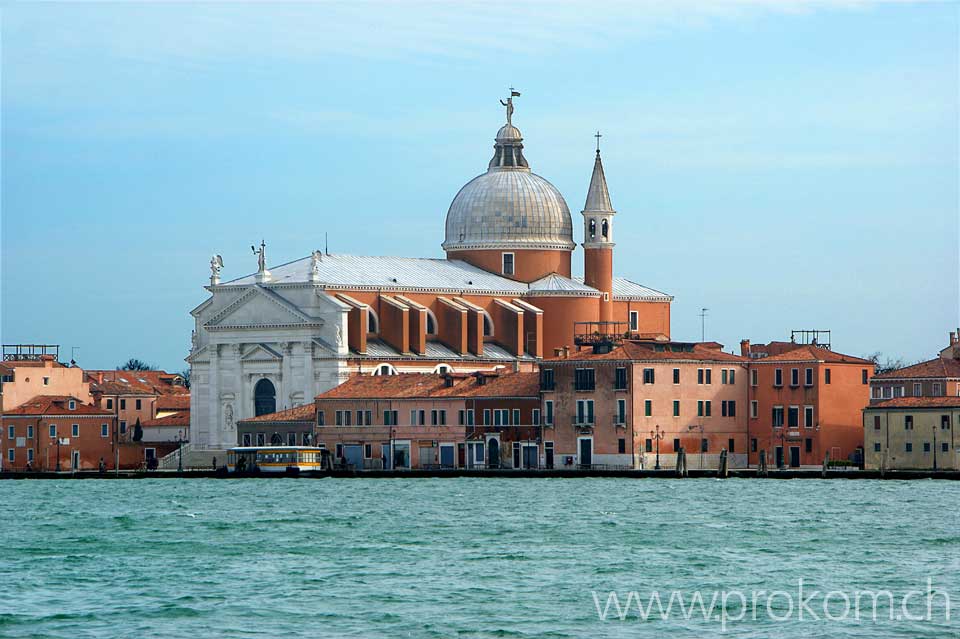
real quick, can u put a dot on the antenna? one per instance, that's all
(326, 244)
(703, 324)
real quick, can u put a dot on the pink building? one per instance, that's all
(29, 370)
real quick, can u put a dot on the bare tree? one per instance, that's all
(134, 364)
(884, 363)
(185, 374)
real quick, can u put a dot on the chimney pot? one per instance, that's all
(745, 347)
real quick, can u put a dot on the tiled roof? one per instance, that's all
(116, 382)
(917, 402)
(179, 401)
(181, 418)
(305, 413)
(55, 405)
(810, 353)
(939, 367)
(654, 351)
(415, 385)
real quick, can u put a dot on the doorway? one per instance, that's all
(446, 456)
(75, 460)
(586, 451)
(548, 454)
(531, 456)
(778, 456)
(794, 457)
(493, 453)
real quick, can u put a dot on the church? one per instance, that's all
(505, 296)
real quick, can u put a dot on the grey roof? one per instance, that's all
(378, 349)
(598, 197)
(625, 289)
(397, 273)
(554, 283)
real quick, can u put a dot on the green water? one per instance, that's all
(464, 557)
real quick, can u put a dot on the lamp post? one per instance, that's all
(58, 454)
(783, 451)
(180, 441)
(657, 436)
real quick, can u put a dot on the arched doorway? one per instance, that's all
(493, 454)
(264, 398)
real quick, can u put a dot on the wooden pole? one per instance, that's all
(826, 463)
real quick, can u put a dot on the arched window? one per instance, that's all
(605, 229)
(487, 325)
(431, 323)
(593, 228)
(443, 369)
(384, 369)
(373, 322)
(264, 398)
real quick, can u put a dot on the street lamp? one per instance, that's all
(783, 451)
(59, 440)
(180, 441)
(657, 436)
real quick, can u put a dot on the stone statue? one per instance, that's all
(216, 263)
(509, 105)
(261, 256)
(315, 258)
(193, 339)
(339, 336)
(228, 417)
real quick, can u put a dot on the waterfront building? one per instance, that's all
(28, 370)
(290, 427)
(145, 396)
(912, 433)
(805, 402)
(937, 377)
(504, 297)
(619, 402)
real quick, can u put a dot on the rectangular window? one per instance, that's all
(794, 376)
(621, 445)
(123, 427)
(723, 408)
(944, 424)
(368, 417)
(753, 444)
(709, 373)
(647, 445)
(486, 416)
(536, 416)
(945, 447)
(246, 439)
(908, 422)
(733, 375)
(808, 445)
(704, 445)
(585, 411)
(898, 391)
(584, 379)
(104, 430)
(676, 408)
(11, 432)
(876, 447)
(876, 422)
(676, 376)
(918, 390)
(723, 376)
(339, 418)
(11, 455)
(46, 381)
(707, 407)
(434, 417)
(676, 444)
(699, 376)
(647, 408)
(139, 404)
(808, 377)
(699, 408)
(937, 391)
(516, 416)
(321, 421)
(461, 418)
(548, 412)
(620, 378)
(778, 416)
(53, 430)
(826, 376)
(497, 418)
(864, 377)
(634, 321)
(291, 439)
(109, 404)
(754, 408)
(732, 408)
(470, 417)
(546, 379)
(730, 443)
(508, 263)
(875, 392)
(621, 411)
(754, 377)
(123, 404)
(30, 431)
(261, 439)
(359, 418)
(808, 416)
(926, 447)
(793, 417)
(30, 455)
(909, 447)
(778, 377)
(367, 451)
(648, 376)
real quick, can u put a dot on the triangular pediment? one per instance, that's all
(260, 353)
(259, 307)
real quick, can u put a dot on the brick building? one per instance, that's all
(29, 370)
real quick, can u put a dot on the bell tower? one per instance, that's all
(598, 243)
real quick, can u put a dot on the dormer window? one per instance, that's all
(73, 405)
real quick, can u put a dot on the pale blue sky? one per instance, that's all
(788, 165)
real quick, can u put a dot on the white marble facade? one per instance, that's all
(291, 334)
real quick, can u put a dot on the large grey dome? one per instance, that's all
(508, 206)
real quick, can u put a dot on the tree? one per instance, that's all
(884, 363)
(134, 364)
(185, 374)
(137, 431)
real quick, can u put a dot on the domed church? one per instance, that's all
(504, 297)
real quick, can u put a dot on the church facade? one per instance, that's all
(503, 298)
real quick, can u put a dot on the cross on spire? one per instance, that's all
(598, 136)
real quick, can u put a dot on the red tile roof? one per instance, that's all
(917, 402)
(176, 419)
(55, 405)
(810, 353)
(305, 413)
(134, 382)
(417, 386)
(178, 401)
(939, 367)
(654, 351)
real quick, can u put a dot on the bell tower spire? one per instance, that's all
(598, 214)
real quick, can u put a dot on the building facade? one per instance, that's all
(504, 297)
(912, 433)
(806, 402)
(30, 370)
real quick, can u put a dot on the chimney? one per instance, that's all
(953, 337)
(566, 352)
(99, 377)
(745, 347)
(558, 352)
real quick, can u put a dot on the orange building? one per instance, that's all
(139, 395)
(628, 404)
(28, 370)
(805, 402)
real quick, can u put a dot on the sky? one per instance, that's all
(787, 165)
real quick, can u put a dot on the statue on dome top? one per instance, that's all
(509, 105)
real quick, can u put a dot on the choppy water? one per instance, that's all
(461, 557)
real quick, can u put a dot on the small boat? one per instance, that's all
(276, 459)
